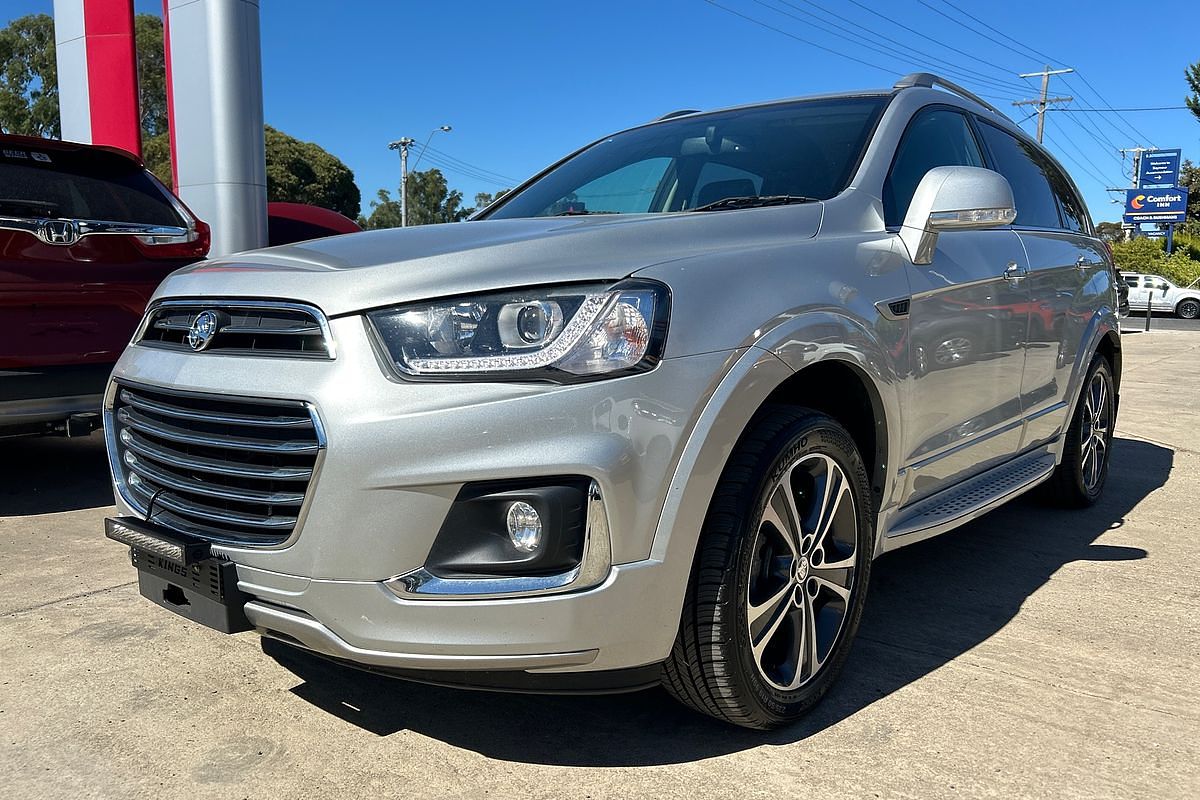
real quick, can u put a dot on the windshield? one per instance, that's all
(83, 184)
(801, 150)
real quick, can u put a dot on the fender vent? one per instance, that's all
(899, 307)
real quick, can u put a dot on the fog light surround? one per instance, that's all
(524, 526)
(468, 568)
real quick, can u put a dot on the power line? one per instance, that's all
(1119, 110)
(1043, 56)
(443, 165)
(1039, 56)
(964, 73)
(800, 39)
(926, 37)
(433, 152)
(1084, 165)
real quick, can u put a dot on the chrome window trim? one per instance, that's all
(211, 302)
(593, 569)
(118, 477)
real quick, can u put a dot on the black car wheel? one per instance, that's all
(1080, 478)
(780, 575)
(1188, 309)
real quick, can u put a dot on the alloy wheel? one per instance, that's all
(1095, 431)
(802, 571)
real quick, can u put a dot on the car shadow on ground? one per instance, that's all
(48, 474)
(929, 604)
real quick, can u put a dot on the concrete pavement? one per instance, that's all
(1034, 653)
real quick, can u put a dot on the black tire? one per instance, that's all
(1072, 485)
(1188, 309)
(712, 667)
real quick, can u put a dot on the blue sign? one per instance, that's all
(1159, 168)
(1156, 234)
(1155, 205)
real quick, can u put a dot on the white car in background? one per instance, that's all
(1162, 294)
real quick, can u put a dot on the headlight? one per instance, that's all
(561, 334)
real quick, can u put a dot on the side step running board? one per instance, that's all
(972, 498)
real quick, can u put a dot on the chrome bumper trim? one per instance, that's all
(594, 567)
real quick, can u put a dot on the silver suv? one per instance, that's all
(646, 419)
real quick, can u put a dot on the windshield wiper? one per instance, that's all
(754, 201)
(577, 212)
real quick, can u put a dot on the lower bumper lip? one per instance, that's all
(298, 628)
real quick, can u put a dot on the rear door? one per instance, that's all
(1068, 276)
(72, 286)
(967, 323)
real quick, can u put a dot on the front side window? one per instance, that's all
(937, 137)
(1029, 174)
(805, 149)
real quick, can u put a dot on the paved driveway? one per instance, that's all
(1034, 653)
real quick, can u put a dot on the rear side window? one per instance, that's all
(937, 137)
(1131, 281)
(1028, 173)
(81, 184)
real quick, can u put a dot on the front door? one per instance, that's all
(968, 319)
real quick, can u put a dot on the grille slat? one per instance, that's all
(227, 469)
(170, 480)
(178, 412)
(276, 329)
(141, 446)
(140, 422)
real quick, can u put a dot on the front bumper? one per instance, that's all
(397, 455)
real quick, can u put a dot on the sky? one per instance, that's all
(525, 82)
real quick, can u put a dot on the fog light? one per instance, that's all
(524, 527)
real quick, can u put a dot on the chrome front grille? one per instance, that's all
(227, 469)
(261, 328)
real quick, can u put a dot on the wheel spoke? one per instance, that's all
(759, 645)
(808, 510)
(836, 488)
(767, 614)
(776, 514)
(838, 589)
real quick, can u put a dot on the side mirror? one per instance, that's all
(954, 198)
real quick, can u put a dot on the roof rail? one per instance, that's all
(928, 80)
(680, 113)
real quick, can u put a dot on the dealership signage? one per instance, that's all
(1159, 168)
(1155, 205)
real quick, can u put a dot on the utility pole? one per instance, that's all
(1043, 101)
(402, 145)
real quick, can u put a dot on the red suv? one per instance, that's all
(86, 235)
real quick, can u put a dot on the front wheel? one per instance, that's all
(780, 575)
(1188, 309)
(1080, 477)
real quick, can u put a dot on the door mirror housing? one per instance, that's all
(954, 198)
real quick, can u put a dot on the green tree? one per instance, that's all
(300, 172)
(1189, 178)
(485, 199)
(303, 172)
(151, 74)
(1110, 231)
(430, 200)
(29, 77)
(1192, 75)
(385, 212)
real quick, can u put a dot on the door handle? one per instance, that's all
(1014, 272)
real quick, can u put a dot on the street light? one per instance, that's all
(402, 145)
